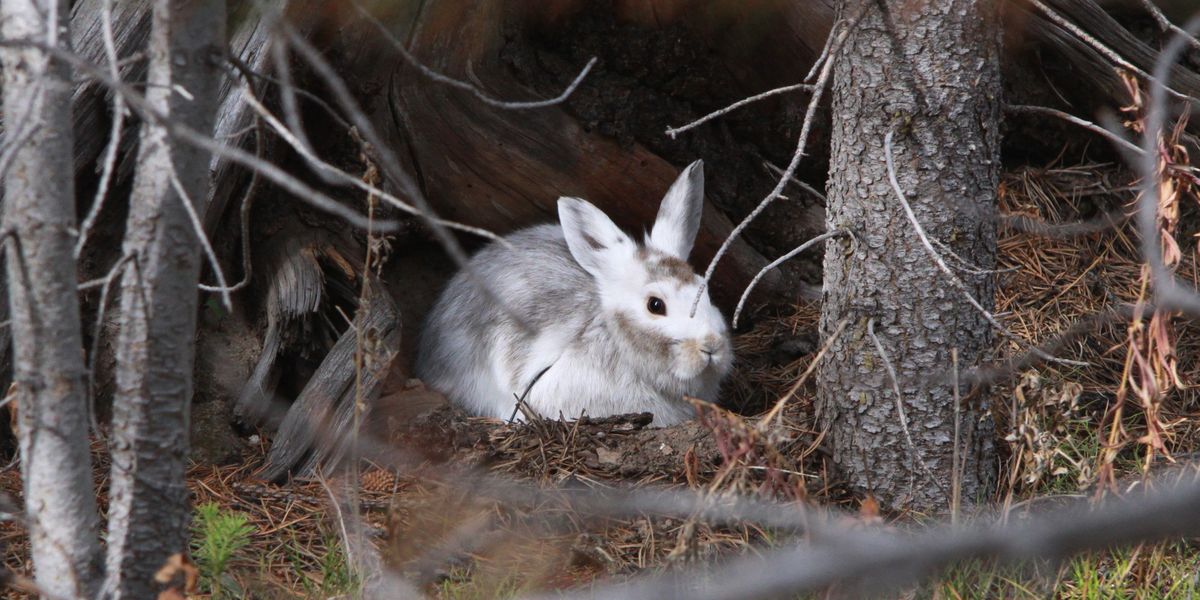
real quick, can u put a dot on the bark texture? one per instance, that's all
(47, 340)
(929, 72)
(148, 515)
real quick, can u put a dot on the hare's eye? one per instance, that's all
(656, 306)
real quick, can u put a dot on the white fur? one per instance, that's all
(581, 291)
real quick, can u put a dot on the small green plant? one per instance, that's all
(217, 535)
(337, 578)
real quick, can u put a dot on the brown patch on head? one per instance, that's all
(662, 266)
(644, 341)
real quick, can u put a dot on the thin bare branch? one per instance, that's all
(941, 263)
(1109, 53)
(871, 563)
(775, 263)
(98, 331)
(198, 229)
(341, 177)
(812, 366)
(1074, 120)
(251, 192)
(788, 174)
(1165, 24)
(674, 131)
(466, 86)
(390, 166)
(193, 138)
(825, 50)
(114, 134)
(796, 182)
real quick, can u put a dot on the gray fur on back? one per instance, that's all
(539, 282)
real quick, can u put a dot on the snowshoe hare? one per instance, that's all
(598, 323)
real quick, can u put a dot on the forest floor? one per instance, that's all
(1063, 432)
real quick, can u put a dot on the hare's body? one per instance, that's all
(584, 330)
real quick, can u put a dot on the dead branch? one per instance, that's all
(1104, 50)
(468, 87)
(801, 144)
(1084, 123)
(775, 263)
(873, 562)
(674, 131)
(941, 263)
(341, 177)
(114, 135)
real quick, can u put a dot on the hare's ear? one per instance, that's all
(595, 241)
(679, 215)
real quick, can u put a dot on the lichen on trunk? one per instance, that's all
(929, 73)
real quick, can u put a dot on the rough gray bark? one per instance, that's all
(148, 515)
(930, 72)
(47, 338)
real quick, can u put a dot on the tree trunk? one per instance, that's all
(47, 342)
(929, 72)
(148, 516)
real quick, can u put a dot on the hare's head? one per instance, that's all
(647, 290)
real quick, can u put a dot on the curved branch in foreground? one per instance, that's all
(872, 562)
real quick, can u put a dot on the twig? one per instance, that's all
(391, 167)
(198, 229)
(114, 135)
(796, 182)
(205, 142)
(775, 263)
(466, 86)
(342, 177)
(801, 143)
(1104, 50)
(97, 333)
(994, 372)
(1165, 24)
(825, 51)
(287, 85)
(674, 131)
(521, 401)
(901, 414)
(287, 94)
(252, 188)
(1074, 120)
(880, 561)
(941, 263)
